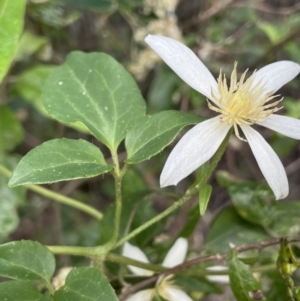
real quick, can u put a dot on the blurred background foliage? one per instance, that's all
(242, 208)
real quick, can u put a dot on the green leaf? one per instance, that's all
(255, 203)
(9, 219)
(229, 228)
(9, 199)
(274, 32)
(88, 4)
(278, 287)
(197, 283)
(11, 130)
(191, 223)
(19, 290)
(59, 160)
(161, 90)
(85, 284)
(28, 85)
(11, 24)
(204, 196)
(155, 133)
(29, 44)
(95, 90)
(26, 260)
(286, 218)
(16, 196)
(46, 297)
(243, 283)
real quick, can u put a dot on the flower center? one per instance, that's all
(243, 102)
(163, 284)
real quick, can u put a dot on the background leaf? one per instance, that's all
(10, 199)
(19, 290)
(228, 227)
(9, 219)
(85, 284)
(197, 283)
(11, 130)
(26, 260)
(59, 160)
(29, 83)
(255, 203)
(30, 44)
(11, 24)
(242, 281)
(46, 297)
(95, 90)
(161, 90)
(155, 133)
(88, 4)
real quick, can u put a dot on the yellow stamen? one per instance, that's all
(162, 286)
(243, 102)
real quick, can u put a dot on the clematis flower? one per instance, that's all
(164, 287)
(224, 279)
(240, 105)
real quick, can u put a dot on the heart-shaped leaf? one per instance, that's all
(19, 290)
(95, 90)
(59, 160)
(86, 284)
(26, 260)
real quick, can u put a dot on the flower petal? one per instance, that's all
(176, 254)
(284, 125)
(196, 147)
(218, 278)
(145, 295)
(174, 294)
(137, 254)
(268, 162)
(184, 63)
(276, 75)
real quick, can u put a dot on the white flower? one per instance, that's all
(218, 278)
(242, 104)
(164, 287)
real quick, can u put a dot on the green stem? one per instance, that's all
(118, 174)
(189, 193)
(76, 251)
(95, 252)
(58, 197)
(129, 261)
(6, 172)
(66, 200)
(50, 287)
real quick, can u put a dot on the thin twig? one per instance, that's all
(221, 5)
(217, 257)
(270, 9)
